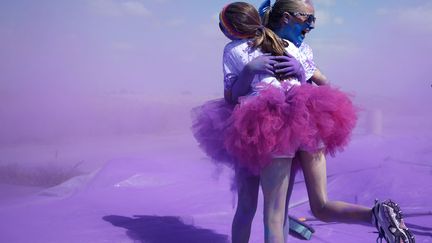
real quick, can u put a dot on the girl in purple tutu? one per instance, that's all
(214, 120)
(277, 118)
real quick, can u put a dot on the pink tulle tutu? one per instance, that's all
(331, 117)
(209, 123)
(261, 126)
(277, 122)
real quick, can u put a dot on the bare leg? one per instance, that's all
(288, 197)
(315, 173)
(247, 189)
(274, 183)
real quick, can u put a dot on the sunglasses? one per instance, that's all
(310, 18)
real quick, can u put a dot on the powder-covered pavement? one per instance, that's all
(168, 191)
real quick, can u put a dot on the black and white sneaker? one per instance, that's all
(387, 218)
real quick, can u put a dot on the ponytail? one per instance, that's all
(242, 20)
(269, 42)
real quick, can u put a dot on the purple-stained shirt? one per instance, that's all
(306, 59)
(237, 54)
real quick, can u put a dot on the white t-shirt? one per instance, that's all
(238, 53)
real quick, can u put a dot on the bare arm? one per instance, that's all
(318, 78)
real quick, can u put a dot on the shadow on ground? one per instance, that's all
(164, 229)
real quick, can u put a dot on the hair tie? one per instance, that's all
(260, 30)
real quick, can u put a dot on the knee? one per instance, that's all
(274, 220)
(246, 210)
(320, 212)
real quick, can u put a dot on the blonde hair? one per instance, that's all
(273, 15)
(242, 20)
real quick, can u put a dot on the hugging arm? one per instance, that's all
(288, 66)
(285, 66)
(242, 83)
(318, 78)
(241, 86)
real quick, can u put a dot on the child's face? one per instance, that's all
(226, 33)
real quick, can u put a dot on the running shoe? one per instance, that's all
(388, 219)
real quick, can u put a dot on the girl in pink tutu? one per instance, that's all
(293, 19)
(278, 118)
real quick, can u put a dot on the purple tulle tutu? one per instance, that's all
(209, 125)
(277, 122)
